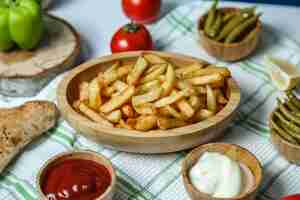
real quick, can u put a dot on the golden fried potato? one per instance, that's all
(145, 109)
(207, 79)
(146, 122)
(84, 91)
(169, 83)
(128, 111)
(154, 59)
(168, 123)
(117, 101)
(114, 116)
(211, 99)
(94, 115)
(185, 108)
(138, 69)
(148, 97)
(174, 97)
(154, 74)
(94, 92)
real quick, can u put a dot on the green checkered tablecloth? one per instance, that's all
(149, 177)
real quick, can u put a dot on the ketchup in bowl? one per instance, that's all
(76, 179)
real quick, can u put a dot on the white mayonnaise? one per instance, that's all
(217, 175)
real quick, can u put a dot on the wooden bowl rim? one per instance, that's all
(74, 53)
(220, 44)
(186, 179)
(230, 107)
(273, 134)
(107, 164)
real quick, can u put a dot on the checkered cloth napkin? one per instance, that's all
(149, 177)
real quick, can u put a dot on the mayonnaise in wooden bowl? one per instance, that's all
(221, 171)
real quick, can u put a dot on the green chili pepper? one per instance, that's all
(234, 35)
(288, 114)
(289, 124)
(20, 23)
(293, 99)
(278, 130)
(214, 30)
(228, 16)
(211, 17)
(230, 26)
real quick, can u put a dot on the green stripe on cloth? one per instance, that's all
(179, 157)
(23, 189)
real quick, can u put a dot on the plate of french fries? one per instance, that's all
(149, 102)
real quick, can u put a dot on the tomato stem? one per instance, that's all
(131, 27)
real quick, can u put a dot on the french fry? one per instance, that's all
(145, 123)
(94, 94)
(207, 79)
(173, 112)
(203, 114)
(182, 72)
(94, 115)
(148, 97)
(211, 99)
(196, 102)
(221, 99)
(170, 80)
(153, 93)
(84, 91)
(185, 108)
(123, 124)
(174, 97)
(187, 87)
(155, 74)
(148, 86)
(115, 89)
(127, 111)
(138, 69)
(131, 122)
(118, 101)
(114, 116)
(168, 123)
(208, 71)
(124, 70)
(145, 109)
(76, 104)
(110, 75)
(154, 59)
(120, 86)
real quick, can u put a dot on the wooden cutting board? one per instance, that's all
(25, 73)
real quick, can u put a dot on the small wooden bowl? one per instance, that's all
(86, 155)
(228, 52)
(289, 151)
(156, 141)
(235, 152)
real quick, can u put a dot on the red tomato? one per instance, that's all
(131, 37)
(292, 197)
(141, 11)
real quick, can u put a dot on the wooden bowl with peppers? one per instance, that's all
(230, 34)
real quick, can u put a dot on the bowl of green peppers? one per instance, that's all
(230, 34)
(284, 123)
(21, 24)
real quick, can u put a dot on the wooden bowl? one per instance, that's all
(86, 155)
(156, 141)
(228, 52)
(25, 73)
(235, 152)
(289, 151)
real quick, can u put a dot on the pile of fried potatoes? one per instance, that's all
(153, 93)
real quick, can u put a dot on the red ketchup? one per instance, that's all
(76, 179)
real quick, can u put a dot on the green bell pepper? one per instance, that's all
(21, 23)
